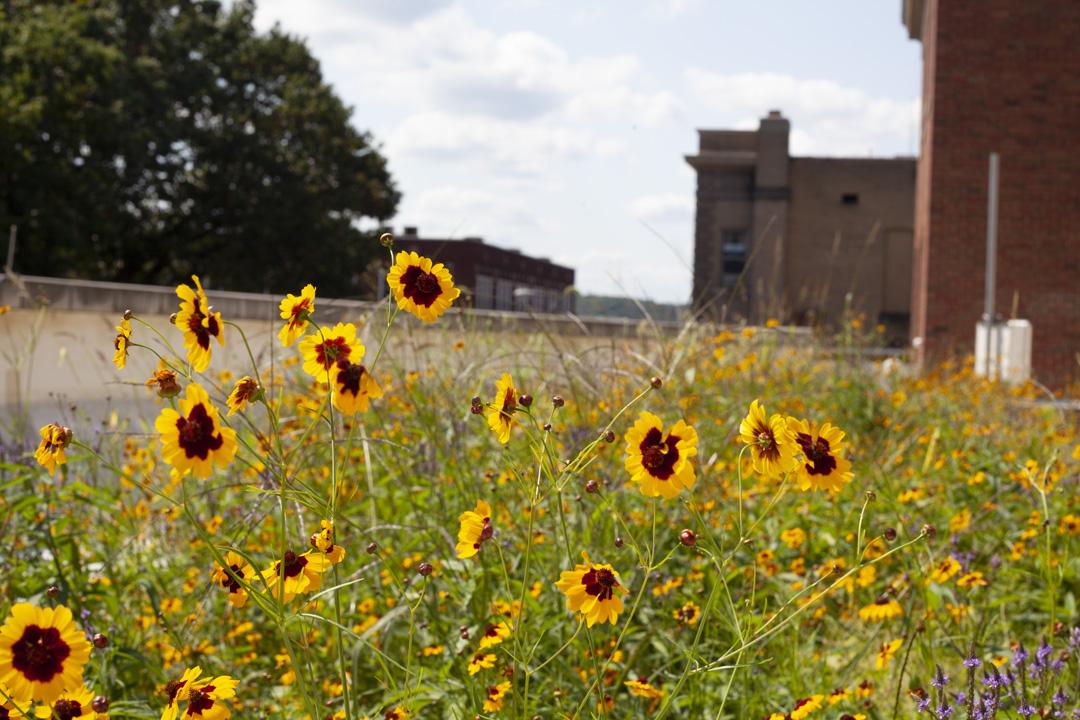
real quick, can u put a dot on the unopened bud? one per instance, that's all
(463, 632)
(101, 641)
(424, 569)
(609, 436)
(386, 240)
(558, 401)
(52, 591)
(525, 400)
(100, 704)
(592, 486)
(172, 319)
(619, 542)
(128, 314)
(929, 530)
(656, 382)
(890, 534)
(688, 538)
(871, 496)
(372, 548)
(547, 427)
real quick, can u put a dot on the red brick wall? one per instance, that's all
(1004, 76)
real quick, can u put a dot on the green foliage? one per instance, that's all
(141, 140)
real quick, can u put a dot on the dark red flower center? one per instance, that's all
(819, 460)
(197, 436)
(173, 688)
(509, 403)
(294, 565)
(659, 455)
(349, 377)
(200, 700)
(40, 653)
(600, 582)
(202, 333)
(766, 442)
(300, 313)
(332, 350)
(230, 581)
(421, 287)
(66, 710)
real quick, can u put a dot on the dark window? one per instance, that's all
(850, 198)
(733, 251)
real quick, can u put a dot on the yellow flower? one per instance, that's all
(194, 439)
(303, 573)
(50, 452)
(771, 442)
(239, 568)
(884, 608)
(494, 634)
(165, 380)
(495, 693)
(245, 391)
(944, 570)
(74, 703)
(642, 689)
(123, 339)
(481, 661)
(805, 707)
(295, 311)
(323, 350)
(353, 387)
(688, 614)
(659, 464)
(500, 414)
(42, 653)
(323, 541)
(592, 590)
(793, 537)
(474, 529)
(396, 714)
(822, 465)
(198, 323)
(971, 579)
(6, 706)
(202, 696)
(886, 652)
(421, 288)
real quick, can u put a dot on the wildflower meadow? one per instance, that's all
(407, 515)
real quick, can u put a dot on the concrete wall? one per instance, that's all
(1004, 76)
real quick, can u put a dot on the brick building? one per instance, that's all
(800, 238)
(494, 278)
(999, 76)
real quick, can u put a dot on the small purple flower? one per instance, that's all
(940, 679)
(943, 711)
(1020, 656)
(924, 705)
(972, 662)
(1026, 710)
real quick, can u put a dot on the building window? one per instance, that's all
(485, 292)
(733, 254)
(850, 198)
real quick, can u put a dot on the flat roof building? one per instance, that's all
(802, 239)
(494, 278)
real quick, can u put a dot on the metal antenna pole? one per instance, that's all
(991, 257)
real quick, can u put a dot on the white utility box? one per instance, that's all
(1010, 350)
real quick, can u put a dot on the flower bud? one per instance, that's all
(688, 538)
(525, 400)
(547, 427)
(101, 641)
(128, 314)
(424, 569)
(871, 496)
(656, 382)
(463, 632)
(557, 401)
(619, 542)
(592, 486)
(609, 436)
(890, 534)
(100, 704)
(372, 548)
(386, 240)
(53, 591)
(929, 530)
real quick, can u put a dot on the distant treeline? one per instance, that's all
(623, 307)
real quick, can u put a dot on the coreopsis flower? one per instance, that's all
(494, 634)
(493, 702)
(500, 414)
(194, 439)
(771, 442)
(397, 713)
(199, 323)
(822, 465)
(805, 707)
(203, 697)
(353, 388)
(164, 379)
(972, 579)
(884, 608)
(421, 288)
(660, 464)
(323, 350)
(688, 614)
(50, 451)
(323, 541)
(120, 344)
(42, 653)
(944, 570)
(8, 709)
(75, 703)
(296, 311)
(239, 569)
(886, 651)
(642, 689)
(475, 527)
(481, 661)
(303, 573)
(245, 391)
(592, 590)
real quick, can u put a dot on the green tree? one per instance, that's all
(144, 140)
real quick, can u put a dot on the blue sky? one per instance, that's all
(559, 128)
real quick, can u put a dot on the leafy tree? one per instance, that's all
(143, 140)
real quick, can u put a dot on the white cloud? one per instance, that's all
(826, 117)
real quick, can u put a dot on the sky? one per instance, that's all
(559, 128)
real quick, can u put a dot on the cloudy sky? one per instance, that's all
(559, 127)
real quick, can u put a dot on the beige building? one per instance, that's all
(800, 238)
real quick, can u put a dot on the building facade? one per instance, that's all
(999, 76)
(494, 278)
(803, 239)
